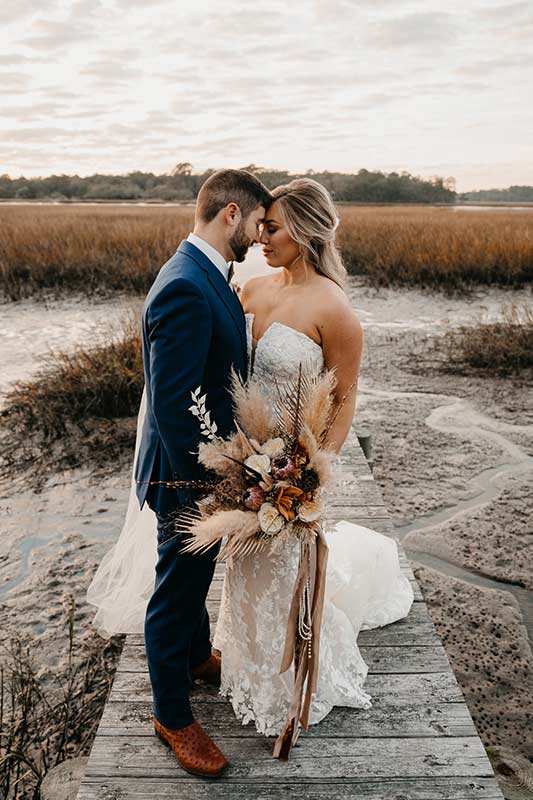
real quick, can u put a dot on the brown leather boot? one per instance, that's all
(193, 749)
(208, 670)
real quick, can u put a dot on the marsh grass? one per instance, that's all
(438, 248)
(54, 250)
(78, 409)
(502, 347)
(43, 723)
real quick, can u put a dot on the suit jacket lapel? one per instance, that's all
(222, 288)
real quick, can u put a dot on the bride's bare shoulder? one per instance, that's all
(252, 288)
(337, 318)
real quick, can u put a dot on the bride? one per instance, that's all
(298, 315)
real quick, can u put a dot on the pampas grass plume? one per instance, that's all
(322, 463)
(318, 409)
(213, 455)
(253, 412)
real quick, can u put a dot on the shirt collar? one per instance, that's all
(213, 255)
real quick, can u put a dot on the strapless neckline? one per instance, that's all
(255, 342)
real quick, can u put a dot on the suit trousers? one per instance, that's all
(176, 626)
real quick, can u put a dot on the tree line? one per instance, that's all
(182, 185)
(513, 194)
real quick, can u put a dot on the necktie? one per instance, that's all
(231, 272)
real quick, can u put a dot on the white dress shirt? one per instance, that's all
(213, 255)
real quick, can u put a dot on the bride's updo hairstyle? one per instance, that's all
(309, 213)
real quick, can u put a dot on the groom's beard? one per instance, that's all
(240, 243)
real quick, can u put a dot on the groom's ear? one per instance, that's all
(232, 215)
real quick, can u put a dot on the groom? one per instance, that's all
(193, 333)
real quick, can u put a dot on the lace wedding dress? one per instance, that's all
(364, 585)
(364, 589)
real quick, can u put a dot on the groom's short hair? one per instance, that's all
(231, 186)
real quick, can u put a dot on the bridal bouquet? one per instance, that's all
(269, 473)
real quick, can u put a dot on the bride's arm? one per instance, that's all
(342, 344)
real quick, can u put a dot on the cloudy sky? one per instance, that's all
(418, 85)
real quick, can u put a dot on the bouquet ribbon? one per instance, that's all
(303, 651)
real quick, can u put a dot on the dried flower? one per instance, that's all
(309, 480)
(259, 463)
(309, 511)
(282, 467)
(270, 519)
(254, 497)
(284, 501)
(267, 483)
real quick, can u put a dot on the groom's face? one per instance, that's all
(247, 233)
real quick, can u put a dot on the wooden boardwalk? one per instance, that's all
(417, 742)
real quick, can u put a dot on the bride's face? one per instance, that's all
(278, 247)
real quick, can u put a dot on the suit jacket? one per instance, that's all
(193, 332)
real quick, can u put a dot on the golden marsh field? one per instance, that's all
(58, 249)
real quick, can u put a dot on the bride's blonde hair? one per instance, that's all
(311, 219)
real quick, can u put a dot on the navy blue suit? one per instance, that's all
(193, 333)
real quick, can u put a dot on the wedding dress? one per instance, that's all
(364, 588)
(364, 585)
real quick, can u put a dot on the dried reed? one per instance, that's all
(502, 347)
(41, 725)
(78, 408)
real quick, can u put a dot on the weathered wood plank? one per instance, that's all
(188, 788)
(380, 660)
(394, 690)
(357, 490)
(355, 511)
(435, 719)
(410, 634)
(313, 759)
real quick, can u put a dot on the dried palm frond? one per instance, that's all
(237, 549)
(240, 527)
(304, 398)
(295, 532)
(339, 408)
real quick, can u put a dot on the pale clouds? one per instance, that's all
(417, 30)
(121, 85)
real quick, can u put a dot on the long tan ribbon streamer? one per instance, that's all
(312, 566)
